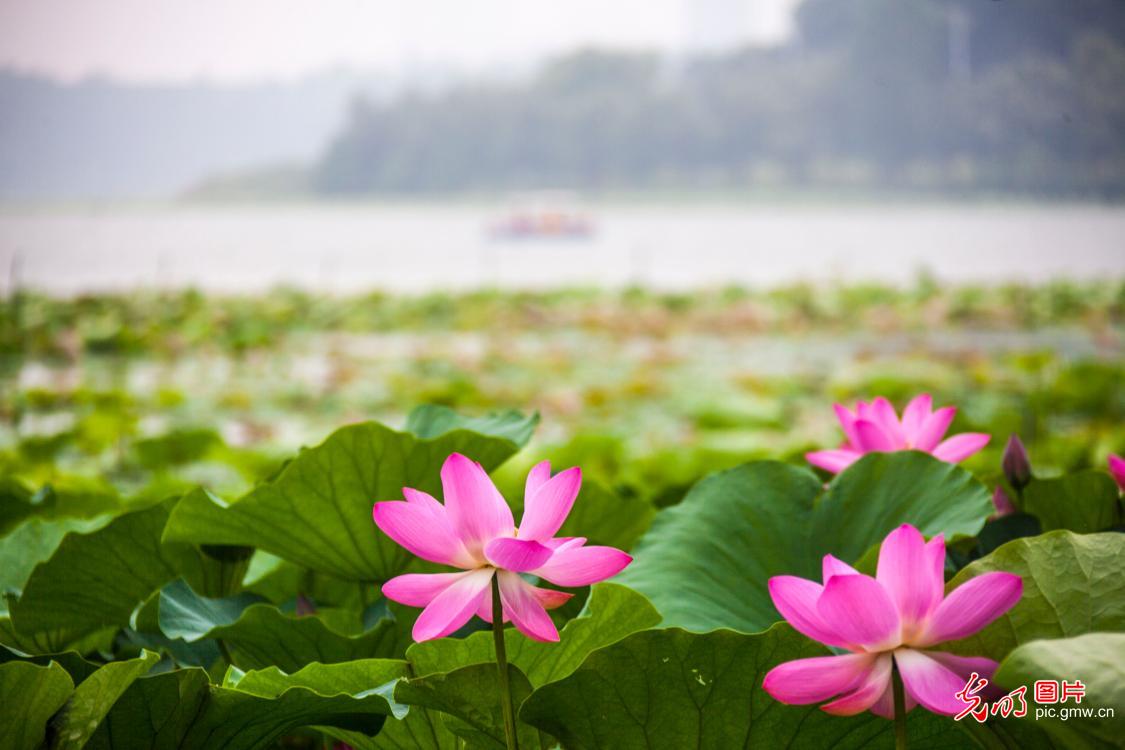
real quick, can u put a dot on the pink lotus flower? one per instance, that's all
(892, 619)
(875, 427)
(474, 531)
(1117, 469)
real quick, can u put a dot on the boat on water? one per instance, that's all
(544, 215)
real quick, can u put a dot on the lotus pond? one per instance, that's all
(205, 541)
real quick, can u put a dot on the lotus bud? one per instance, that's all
(1117, 469)
(1003, 504)
(305, 606)
(1017, 467)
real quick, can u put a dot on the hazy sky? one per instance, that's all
(239, 40)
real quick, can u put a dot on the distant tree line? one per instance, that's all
(1023, 96)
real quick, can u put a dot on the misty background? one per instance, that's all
(351, 145)
(945, 97)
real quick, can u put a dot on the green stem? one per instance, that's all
(225, 651)
(502, 666)
(900, 709)
(983, 734)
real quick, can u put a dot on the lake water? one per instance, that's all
(341, 248)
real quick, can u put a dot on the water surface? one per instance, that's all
(414, 248)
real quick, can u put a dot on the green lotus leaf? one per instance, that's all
(705, 563)
(612, 613)
(1072, 585)
(669, 688)
(93, 699)
(470, 699)
(181, 709)
(93, 581)
(29, 696)
(434, 420)
(1086, 501)
(317, 511)
(1095, 659)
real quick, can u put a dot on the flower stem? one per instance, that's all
(984, 735)
(225, 651)
(502, 666)
(900, 708)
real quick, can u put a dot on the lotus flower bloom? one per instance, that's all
(474, 531)
(875, 427)
(894, 618)
(1117, 469)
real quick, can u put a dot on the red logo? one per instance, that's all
(1014, 703)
